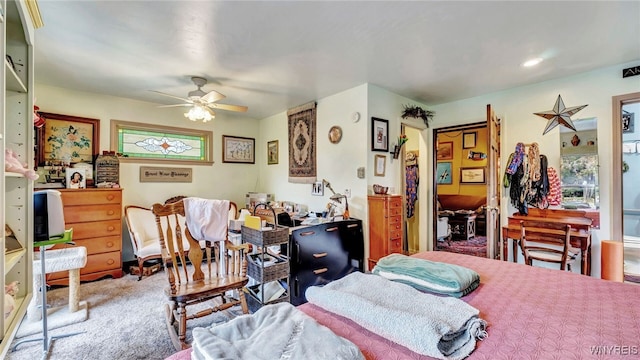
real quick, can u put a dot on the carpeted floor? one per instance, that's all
(476, 246)
(126, 322)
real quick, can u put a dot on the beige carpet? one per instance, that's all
(126, 322)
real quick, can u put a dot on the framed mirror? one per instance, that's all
(579, 166)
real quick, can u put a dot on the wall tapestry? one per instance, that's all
(302, 144)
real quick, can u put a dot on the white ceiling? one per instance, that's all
(273, 55)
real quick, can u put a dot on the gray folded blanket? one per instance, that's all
(278, 331)
(425, 275)
(436, 326)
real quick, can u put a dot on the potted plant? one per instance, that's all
(412, 111)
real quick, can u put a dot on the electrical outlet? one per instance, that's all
(347, 193)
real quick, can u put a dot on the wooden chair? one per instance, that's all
(206, 277)
(547, 241)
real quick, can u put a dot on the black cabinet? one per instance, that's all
(323, 253)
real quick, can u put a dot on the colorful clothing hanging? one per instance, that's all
(412, 180)
(555, 189)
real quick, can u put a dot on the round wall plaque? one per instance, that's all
(335, 134)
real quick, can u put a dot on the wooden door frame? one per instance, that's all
(616, 185)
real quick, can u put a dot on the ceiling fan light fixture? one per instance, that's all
(197, 112)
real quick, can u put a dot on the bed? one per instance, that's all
(532, 313)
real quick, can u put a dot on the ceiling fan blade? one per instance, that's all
(173, 96)
(213, 114)
(212, 96)
(176, 105)
(238, 108)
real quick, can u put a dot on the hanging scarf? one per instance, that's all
(534, 162)
(555, 191)
(516, 160)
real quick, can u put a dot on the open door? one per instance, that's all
(493, 183)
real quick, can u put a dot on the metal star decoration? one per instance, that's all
(560, 115)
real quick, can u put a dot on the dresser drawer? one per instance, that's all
(395, 234)
(96, 245)
(394, 220)
(95, 263)
(395, 246)
(85, 213)
(90, 197)
(89, 230)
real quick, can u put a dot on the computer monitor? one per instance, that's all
(48, 215)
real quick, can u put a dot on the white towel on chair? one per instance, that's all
(207, 219)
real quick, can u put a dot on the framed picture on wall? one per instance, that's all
(272, 152)
(379, 134)
(445, 150)
(469, 140)
(472, 175)
(380, 165)
(443, 173)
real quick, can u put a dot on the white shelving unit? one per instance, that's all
(17, 134)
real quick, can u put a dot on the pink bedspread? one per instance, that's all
(533, 313)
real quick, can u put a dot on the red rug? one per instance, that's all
(476, 246)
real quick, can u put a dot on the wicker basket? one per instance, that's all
(280, 235)
(254, 303)
(267, 273)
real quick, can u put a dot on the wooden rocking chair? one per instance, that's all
(188, 283)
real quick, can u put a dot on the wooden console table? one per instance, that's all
(580, 232)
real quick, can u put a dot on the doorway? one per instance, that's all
(411, 175)
(626, 133)
(461, 181)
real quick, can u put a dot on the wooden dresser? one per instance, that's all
(96, 218)
(385, 226)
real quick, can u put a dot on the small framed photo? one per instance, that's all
(443, 173)
(469, 140)
(317, 189)
(236, 149)
(75, 178)
(380, 165)
(379, 134)
(627, 122)
(445, 150)
(272, 152)
(472, 175)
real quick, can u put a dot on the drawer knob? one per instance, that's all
(110, 244)
(111, 228)
(110, 262)
(110, 197)
(319, 255)
(110, 212)
(320, 271)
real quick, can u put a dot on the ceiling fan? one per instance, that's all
(202, 103)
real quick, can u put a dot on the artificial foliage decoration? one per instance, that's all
(560, 115)
(412, 111)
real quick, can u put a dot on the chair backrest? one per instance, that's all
(543, 235)
(141, 224)
(172, 235)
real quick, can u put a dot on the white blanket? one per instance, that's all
(277, 331)
(440, 327)
(207, 219)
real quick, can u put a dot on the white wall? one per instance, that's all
(516, 108)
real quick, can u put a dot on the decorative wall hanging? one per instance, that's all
(380, 165)
(66, 139)
(469, 140)
(272, 152)
(445, 150)
(302, 143)
(379, 134)
(472, 175)
(335, 134)
(148, 143)
(560, 115)
(443, 173)
(412, 111)
(627, 122)
(236, 149)
(165, 174)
